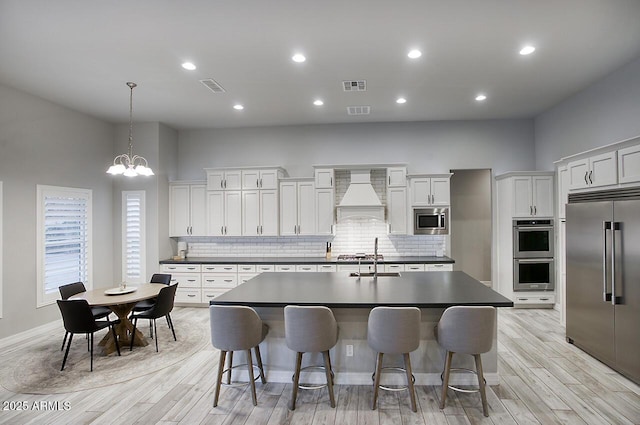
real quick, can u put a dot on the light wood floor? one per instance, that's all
(542, 380)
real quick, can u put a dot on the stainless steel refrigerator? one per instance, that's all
(603, 277)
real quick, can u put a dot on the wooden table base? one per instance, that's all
(123, 331)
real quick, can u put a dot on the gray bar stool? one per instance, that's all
(310, 329)
(394, 330)
(466, 330)
(236, 328)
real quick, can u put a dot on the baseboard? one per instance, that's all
(30, 333)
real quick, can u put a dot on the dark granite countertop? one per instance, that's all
(307, 260)
(338, 290)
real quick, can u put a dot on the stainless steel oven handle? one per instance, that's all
(535, 228)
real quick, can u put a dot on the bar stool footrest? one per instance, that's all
(240, 384)
(312, 387)
(398, 369)
(463, 390)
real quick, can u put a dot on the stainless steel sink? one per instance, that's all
(369, 274)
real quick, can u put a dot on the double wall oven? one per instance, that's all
(533, 265)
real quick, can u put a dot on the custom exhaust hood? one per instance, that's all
(360, 200)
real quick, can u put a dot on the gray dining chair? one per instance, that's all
(310, 329)
(466, 330)
(394, 330)
(237, 328)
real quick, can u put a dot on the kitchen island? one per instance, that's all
(351, 299)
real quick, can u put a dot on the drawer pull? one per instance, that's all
(210, 296)
(228, 280)
(228, 268)
(191, 268)
(191, 295)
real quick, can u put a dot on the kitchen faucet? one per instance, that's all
(375, 258)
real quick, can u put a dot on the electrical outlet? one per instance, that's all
(349, 350)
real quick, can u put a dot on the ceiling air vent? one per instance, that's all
(355, 85)
(213, 85)
(358, 110)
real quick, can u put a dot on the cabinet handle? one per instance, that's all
(261, 229)
(222, 184)
(257, 183)
(586, 173)
(330, 181)
(260, 183)
(590, 175)
(389, 180)
(228, 280)
(191, 295)
(222, 230)
(544, 299)
(535, 210)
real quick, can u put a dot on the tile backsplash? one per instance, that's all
(351, 236)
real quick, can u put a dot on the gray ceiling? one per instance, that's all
(81, 53)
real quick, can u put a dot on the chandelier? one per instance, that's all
(129, 164)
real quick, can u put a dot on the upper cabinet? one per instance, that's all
(533, 196)
(397, 177)
(261, 178)
(429, 190)
(594, 171)
(224, 213)
(397, 210)
(629, 164)
(224, 179)
(187, 211)
(297, 207)
(525, 194)
(260, 213)
(324, 178)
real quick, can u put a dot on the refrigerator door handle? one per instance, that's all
(606, 295)
(614, 228)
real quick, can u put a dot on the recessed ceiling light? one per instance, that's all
(401, 100)
(189, 66)
(527, 50)
(414, 54)
(298, 57)
(481, 97)
(238, 107)
(318, 102)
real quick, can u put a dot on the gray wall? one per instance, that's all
(604, 113)
(43, 143)
(427, 147)
(158, 144)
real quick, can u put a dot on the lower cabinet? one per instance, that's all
(533, 298)
(200, 283)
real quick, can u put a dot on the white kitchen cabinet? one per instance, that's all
(430, 191)
(187, 210)
(327, 268)
(594, 171)
(261, 178)
(306, 268)
(324, 178)
(259, 212)
(629, 164)
(297, 208)
(224, 213)
(325, 206)
(224, 179)
(189, 280)
(438, 267)
(287, 268)
(563, 190)
(533, 196)
(397, 177)
(397, 210)
(525, 299)
(393, 268)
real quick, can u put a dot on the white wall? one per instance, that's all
(44, 143)
(427, 147)
(604, 113)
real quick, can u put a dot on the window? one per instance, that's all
(133, 236)
(63, 240)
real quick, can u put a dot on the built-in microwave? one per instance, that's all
(431, 221)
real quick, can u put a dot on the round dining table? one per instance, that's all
(121, 301)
